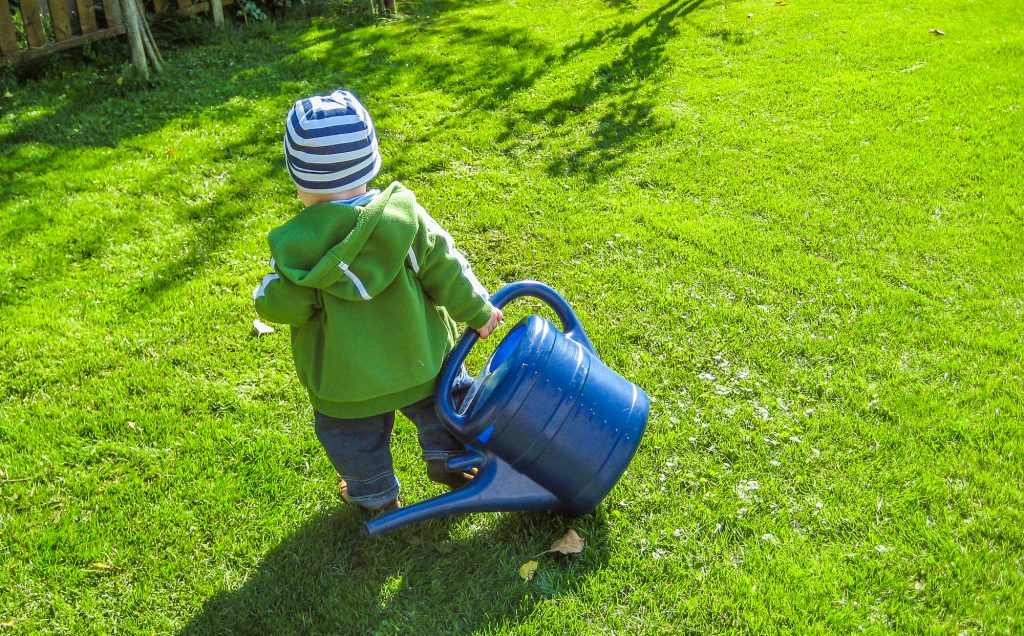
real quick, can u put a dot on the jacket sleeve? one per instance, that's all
(446, 276)
(279, 300)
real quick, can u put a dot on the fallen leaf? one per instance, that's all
(571, 543)
(528, 569)
(937, 31)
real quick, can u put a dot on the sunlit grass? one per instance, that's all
(796, 226)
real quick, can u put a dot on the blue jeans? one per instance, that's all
(360, 448)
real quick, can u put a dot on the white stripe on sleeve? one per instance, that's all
(261, 289)
(343, 266)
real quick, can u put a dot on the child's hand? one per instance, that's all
(495, 318)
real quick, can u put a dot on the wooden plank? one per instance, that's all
(86, 16)
(8, 36)
(61, 20)
(159, 7)
(33, 18)
(112, 10)
(25, 54)
(185, 7)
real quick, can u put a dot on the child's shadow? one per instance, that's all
(329, 578)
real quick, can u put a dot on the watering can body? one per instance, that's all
(547, 424)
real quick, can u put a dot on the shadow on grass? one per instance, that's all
(620, 94)
(242, 63)
(624, 88)
(329, 578)
(603, 117)
(621, 5)
(208, 87)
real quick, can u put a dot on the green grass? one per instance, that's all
(797, 227)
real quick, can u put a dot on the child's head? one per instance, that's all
(330, 146)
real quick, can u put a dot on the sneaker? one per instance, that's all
(437, 471)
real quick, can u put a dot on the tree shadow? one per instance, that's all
(199, 91)
(104, 113)
(211, 224)
(204, 90)
(516, 62)
(328, 577)
(625, 87)
(204, 225)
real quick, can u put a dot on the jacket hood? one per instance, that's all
(350, 252)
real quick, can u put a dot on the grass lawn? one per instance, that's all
(797, 225)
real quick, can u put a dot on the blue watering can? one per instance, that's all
(546, 423)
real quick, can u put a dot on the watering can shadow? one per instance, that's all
(546, 423)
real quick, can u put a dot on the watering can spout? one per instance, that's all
(497, 487)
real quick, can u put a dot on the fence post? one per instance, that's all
(115, 19)
(33, 18)
(86, 16)
(218, 12)
(60, 19)
(8, 36)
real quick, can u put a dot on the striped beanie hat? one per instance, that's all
(329, 143)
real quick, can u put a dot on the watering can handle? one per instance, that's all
(571, 327)
(570, 323)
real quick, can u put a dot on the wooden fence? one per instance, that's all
(29, 28)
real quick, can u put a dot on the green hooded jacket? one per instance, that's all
(372, 294)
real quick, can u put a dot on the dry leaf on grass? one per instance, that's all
(571, 543)
(528, 569)
(937, 31)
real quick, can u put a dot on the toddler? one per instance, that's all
(372, 288)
